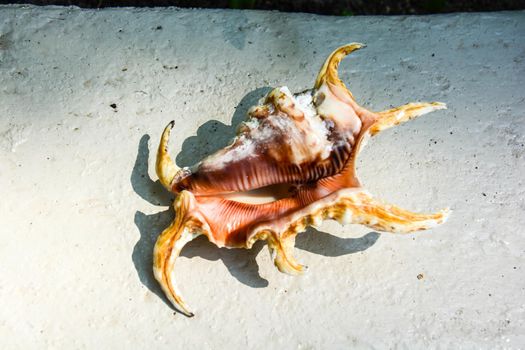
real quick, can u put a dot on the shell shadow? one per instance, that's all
(323, 243)
(214, 135)
(241, 263)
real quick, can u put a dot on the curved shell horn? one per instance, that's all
(328, 72)
(168, 247)
(165, 167)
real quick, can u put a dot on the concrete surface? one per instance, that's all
(80, 210)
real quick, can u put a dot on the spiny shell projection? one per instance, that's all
(291, 165)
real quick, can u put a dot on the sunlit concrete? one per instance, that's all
(84, 96)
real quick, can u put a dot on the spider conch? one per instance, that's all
(291, 165)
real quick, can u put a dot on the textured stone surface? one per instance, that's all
(80, 210)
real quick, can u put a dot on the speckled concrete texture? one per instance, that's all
(84, 96)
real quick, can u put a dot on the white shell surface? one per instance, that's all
(307, 138)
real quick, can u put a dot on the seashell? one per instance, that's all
(291, 165)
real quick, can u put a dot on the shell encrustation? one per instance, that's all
(291, 165)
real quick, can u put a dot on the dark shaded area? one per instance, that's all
(325, 7)
(214, 135)
(323, 243)
(241, 263)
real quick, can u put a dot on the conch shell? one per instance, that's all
(291, 165)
